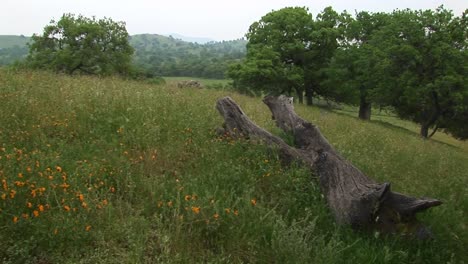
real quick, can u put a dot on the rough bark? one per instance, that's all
(353, 198)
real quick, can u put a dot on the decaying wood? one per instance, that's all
(354, 198)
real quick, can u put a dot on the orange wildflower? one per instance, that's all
(105, 202)
(36, 213)
(253, 202)
(216, 216)
(41, 208)
(187, 197)
(66, 207)
(25, 216)
(12, 194)
(88, 227)
(169, 203)
(15, 219)
(29, 205)
(28, 169)
(20, 175)
(196, 209)
(84, 205)
(58, 168)
(81, 197)
(227, 210)
(236, 212)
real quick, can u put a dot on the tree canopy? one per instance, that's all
(79, 44)
(412, 61)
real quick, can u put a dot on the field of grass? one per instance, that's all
(112, 171)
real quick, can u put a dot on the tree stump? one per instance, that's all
(353, 198)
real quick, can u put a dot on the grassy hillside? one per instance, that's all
(112, 171)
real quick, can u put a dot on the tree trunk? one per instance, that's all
(300, 95)
(309, 93)
(353, 198)
(424, 132)
(364, 109)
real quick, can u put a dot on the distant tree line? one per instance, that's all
(413, 61)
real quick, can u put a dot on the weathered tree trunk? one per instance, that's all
(353, 198)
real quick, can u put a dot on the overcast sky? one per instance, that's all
(216, 19)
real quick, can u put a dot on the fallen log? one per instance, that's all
(353, 198)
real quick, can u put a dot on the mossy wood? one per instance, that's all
(354, 198)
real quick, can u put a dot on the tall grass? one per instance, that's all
(128, 172)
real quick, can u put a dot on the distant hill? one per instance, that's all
(10, 41)
(158, 54)
(198, 40)
(168, 56)
(12, 48)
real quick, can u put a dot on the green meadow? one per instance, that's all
(105, 170)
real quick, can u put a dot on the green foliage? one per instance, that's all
(426, 79)
(166, 56)
(183, 194)
(80, 44)
(286, 49)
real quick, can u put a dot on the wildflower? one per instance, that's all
(266, 161)
(187, 197)
(4, 185)
(84, 205)
(112, 189)
(41, 208)
(25, 216)
(55, 231)
(58, 168)
(105, 202)
(160, 204)
(253, 202)
(12, 194)
(19, 183)
(64, 185)
(33, 193)
(196, 209)
(87, 228)
(20, 175)
(169, 203)
(216, 216)
(66, 207)
(38, 164)
(15, 219)
(236, 212)
(81, 197)
(29, 205)
(4, 196)
(36, 213)
(227, 210)
(28, 169)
